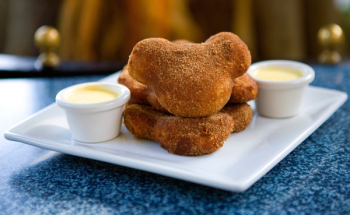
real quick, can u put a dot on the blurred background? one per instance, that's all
(107, 30)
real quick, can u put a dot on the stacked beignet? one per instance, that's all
(189, 97)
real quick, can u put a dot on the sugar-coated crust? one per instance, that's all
(138, 91)
(190, 80)
(186, 136)
(178, 135)
(241, 115)
(244, 89)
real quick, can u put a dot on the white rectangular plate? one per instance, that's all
(244, 158)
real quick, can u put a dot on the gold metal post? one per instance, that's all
(330, 37)
(47, 39)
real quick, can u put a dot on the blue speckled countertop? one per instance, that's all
(313, 179)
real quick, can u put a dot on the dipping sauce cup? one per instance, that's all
(93, 110)
(282, 87)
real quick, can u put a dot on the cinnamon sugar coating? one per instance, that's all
(186, 136)
(140, 93)
(241, 115)
(190, 80)
(244, 89)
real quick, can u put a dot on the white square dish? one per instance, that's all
(244, 158)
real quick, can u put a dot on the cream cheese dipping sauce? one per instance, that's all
(275, 73)
(91, 95)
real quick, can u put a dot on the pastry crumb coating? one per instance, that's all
(186, 136)
(244, 89)
(190, 80)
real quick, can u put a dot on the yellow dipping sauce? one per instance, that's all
(275, 73)
(91, 95)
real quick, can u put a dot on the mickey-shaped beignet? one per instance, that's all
(190, 80)
(244, 89)
(187, 136)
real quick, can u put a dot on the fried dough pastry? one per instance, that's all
(186, 136)
(244, 89)
(177, 135)
(190, 80)
(181, 41)
(241, 115)
(139, 92)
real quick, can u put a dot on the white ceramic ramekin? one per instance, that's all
(96, 122)
(281, 99)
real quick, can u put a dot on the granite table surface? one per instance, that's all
(312, 179)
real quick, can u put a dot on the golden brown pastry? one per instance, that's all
(190, 80)
(140, 93)
(244, 89)
(241, 115)
(187, 136)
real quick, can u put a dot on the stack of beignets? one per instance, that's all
(189, 97)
